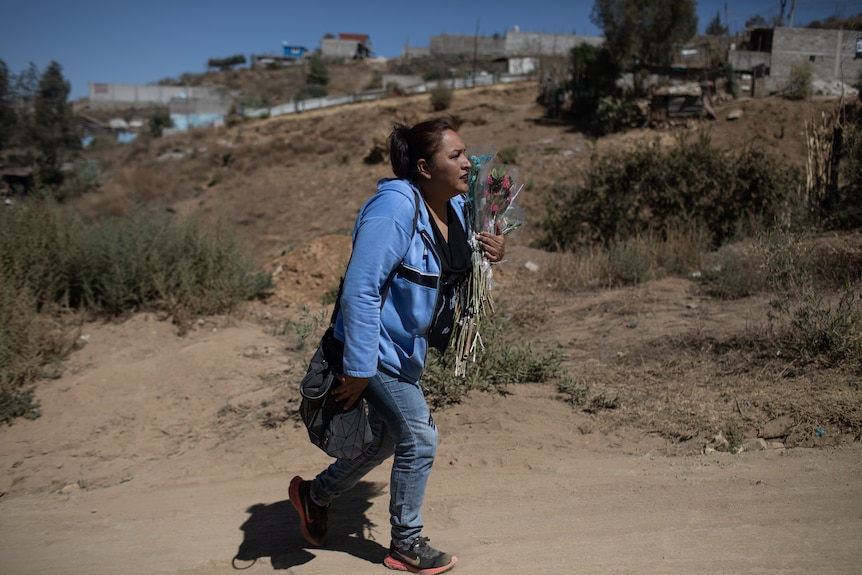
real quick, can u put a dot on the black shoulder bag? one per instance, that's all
(339, 433)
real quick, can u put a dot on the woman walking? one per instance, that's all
(410, 256)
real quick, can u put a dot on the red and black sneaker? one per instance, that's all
(312, 517)
(419, 557)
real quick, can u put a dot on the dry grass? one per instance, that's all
(659, 357)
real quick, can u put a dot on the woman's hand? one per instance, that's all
(493, 245)
(350, 390)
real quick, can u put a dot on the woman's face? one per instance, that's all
(449, 168)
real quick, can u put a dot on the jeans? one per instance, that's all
(402, 425)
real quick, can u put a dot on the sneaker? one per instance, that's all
(419, 558)
(312, 516)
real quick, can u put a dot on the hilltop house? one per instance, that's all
(519, 50)
(289, 55)
(772, 53)
(355, 46)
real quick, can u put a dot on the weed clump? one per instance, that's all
(500, 364)
(53, 263)
(649, 189)
(441, 98)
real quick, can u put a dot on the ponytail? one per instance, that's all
(399, 152)
(409, 145)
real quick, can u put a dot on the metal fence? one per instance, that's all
(369, 95)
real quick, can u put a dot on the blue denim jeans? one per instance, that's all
(402, 425)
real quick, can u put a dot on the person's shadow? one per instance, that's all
(272, 530)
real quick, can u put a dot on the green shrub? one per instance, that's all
(435, 75)
(647, 189)
(628, 262)
(149, 260)
(21, 351)
(256, 103)
(814, 322)
(318, 72)
(89, 175)
(310, 91)
(827, 332)
(160, 120)
(498, 365)
(614, 115)
(441, 98)
(577, 395)
(730, 79)
(733, 274)
(50, 260)
(18, 403)
(309, 328)
(801, 86)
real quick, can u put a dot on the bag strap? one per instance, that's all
(401, 268)
(389, 279)
(337, 303)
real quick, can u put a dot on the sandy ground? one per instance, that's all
(151, 457)
(161, 453)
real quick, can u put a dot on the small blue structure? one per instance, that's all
(294, 51)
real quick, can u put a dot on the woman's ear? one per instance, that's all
(423, 168)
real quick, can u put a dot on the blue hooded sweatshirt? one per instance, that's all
(391, 285)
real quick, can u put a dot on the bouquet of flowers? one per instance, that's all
(490, 207)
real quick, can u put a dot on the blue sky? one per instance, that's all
(144, 42)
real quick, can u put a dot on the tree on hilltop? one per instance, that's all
(645, 32)
(756, 21)
(8, 118)
(318, 74)
(26, 85)
(53, 127)
(715, 27)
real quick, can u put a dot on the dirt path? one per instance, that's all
(165, 454)
(150, 458)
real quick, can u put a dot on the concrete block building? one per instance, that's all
(513, 43)
(772, 53)
(346, 46)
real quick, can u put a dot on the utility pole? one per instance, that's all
(726, 19)
(792, 10)
(475, 51)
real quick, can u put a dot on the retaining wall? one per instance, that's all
(107, 96)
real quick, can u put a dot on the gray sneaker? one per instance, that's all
(419, 557)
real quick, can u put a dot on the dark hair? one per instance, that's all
(408, 145)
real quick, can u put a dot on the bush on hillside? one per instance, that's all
(318, 72)
(51, 262)
(310, 91)
(160, 120)
(441, 98)
(614, 115)
(801, 85)
(648, 189)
